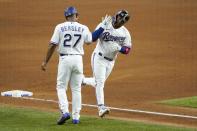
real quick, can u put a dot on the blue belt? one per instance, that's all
(109, 59)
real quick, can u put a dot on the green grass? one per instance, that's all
(185, 102)
(22, 119)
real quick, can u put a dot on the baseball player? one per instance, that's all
(70, 37)
(115, 39)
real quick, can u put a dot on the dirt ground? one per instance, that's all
(162, 65)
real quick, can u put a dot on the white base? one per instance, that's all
(17, 93)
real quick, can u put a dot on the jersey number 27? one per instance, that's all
(68, 38)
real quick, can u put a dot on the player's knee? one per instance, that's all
(100, 84)
(75, 85)
(76, 89)
(60, 85)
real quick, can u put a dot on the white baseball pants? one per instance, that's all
(70, 69)
(101, 71)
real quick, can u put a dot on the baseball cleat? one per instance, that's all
(103, 111)
(63, 118)
(75, 121)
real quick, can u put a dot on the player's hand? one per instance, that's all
(43, 66)
(106, 22)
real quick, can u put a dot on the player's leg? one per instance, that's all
(90, 80)
(109, 69)
(103, 110)
(99, 69)
(63, 77)
(75, 84)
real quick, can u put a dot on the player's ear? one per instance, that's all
(77, 16)
(66, 18)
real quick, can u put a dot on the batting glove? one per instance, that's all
(106, 23)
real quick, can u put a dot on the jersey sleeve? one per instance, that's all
(88, 35)
(56, 36)
(128, 41)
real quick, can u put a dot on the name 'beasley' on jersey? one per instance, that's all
(111, 41)
(71, 38)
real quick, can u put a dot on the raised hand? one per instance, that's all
(106, 22)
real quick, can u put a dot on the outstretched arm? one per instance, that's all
(97, 33)
(104, 24)
(50, 51)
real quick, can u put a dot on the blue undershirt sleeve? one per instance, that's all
(97, 33)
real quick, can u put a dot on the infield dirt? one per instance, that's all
(162, 64)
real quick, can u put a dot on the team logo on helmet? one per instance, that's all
(70, 11)
(121, 17)
(123, 14)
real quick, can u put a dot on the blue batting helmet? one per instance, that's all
(70, 11)
(124, 17)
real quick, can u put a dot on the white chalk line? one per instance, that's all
(121, 109)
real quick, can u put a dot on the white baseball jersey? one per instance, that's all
(71, 36)
(103, 57)
(111, 41)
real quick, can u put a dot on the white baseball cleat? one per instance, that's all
(103, 110)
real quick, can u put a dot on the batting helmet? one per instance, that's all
(70, 11)
(124, 16)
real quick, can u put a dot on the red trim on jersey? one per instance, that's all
(125, 50)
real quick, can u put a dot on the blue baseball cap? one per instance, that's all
(70, 11)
